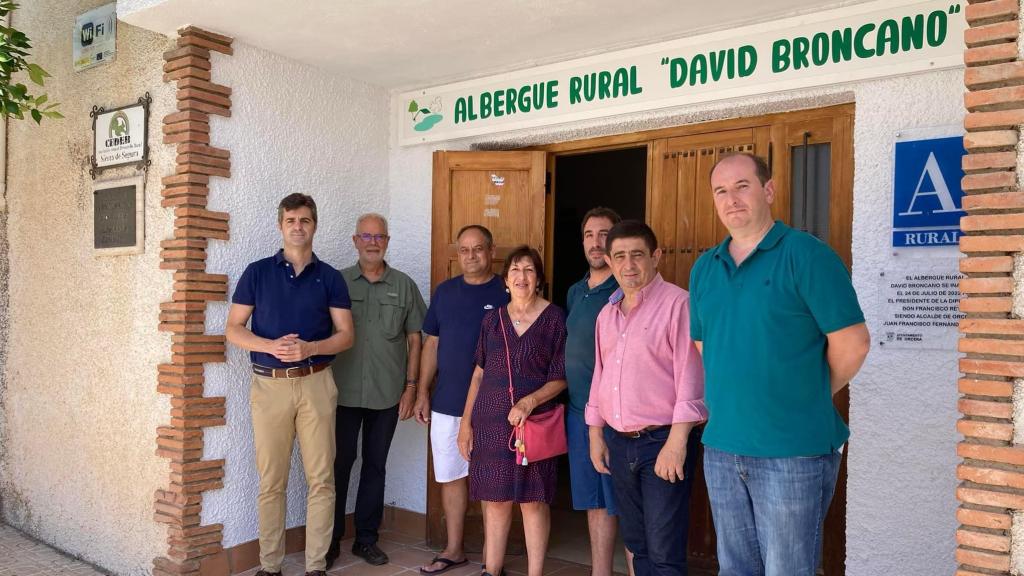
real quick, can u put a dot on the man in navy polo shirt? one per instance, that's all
(780, 329)
(452, 326)
(591, 491)
(301, 317)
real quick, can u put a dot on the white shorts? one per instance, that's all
(449, 465)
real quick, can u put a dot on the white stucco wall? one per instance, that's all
(79, 409)
(901, 502)
(902, 470)
(292, 129)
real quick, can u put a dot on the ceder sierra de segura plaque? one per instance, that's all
(120, 136)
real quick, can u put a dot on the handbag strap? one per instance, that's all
(508, 359)
(515, 439)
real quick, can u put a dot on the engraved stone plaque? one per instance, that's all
(114, 217)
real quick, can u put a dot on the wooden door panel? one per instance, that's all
(686, 186)
(697, 226)
(683, 217)
(483, 196)
(702, 542)
(661, 215)
(707, 227)
(503, 191)
(712, 139)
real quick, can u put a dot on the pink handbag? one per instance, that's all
(541, 436)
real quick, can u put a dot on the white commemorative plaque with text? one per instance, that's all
(920, 302)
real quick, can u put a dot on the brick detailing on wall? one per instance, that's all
(991, 473)
(192, 548)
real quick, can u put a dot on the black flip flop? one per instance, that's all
(448, 565)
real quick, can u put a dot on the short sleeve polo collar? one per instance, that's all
(280, 260)
(769, 242)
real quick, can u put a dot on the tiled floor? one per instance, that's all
(408, 554)
(24, 556)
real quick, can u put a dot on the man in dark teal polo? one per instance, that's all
(376, 381)
(776, 318)
(591, 491)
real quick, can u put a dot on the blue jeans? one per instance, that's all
(590, 490)
(769, 512)
(654, 515)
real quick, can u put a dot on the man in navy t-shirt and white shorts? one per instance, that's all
(452, 328)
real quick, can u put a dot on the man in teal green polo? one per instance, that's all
(777, 321)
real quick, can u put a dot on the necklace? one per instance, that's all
(521, 319)
(516, 322)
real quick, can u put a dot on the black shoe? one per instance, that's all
(265, 573)
(374, 556)
(332, 554)
(316, 573)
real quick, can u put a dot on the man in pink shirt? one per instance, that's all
(646, 399)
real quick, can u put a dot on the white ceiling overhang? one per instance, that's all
(418, 43)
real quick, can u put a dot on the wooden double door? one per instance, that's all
(810, 154)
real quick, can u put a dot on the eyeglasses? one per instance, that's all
(374, 237)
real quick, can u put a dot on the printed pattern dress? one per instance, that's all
(538, 357)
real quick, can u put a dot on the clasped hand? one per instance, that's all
(290, 348)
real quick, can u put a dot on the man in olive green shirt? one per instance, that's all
(376, 381)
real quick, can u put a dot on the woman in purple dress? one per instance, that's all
(535, 332)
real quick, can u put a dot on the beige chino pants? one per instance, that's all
(283, 408)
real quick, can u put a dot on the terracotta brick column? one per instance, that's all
(991, 473)
(192, 547)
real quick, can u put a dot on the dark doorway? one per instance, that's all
(616, 179)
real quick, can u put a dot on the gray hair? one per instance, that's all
(372, 216)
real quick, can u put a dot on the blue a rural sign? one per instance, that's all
(927, 205)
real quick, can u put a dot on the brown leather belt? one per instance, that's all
(293, 372)
(645, 430)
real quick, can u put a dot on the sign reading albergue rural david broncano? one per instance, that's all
(871, 40)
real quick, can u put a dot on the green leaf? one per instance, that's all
(413, 106)
(36, 73)
(425, 110)
(42, 100)
(53, 114)
(37, 116)
(18, 91)
(11, 107)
